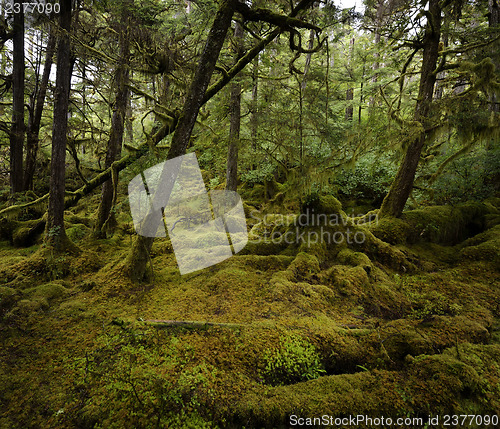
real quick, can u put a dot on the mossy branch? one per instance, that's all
(284, 22)
(164, 324)
(15, 209)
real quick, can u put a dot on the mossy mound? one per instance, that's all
(76, 232)
(391, 230)
(446, 224)
(436, 224)
(48, 291)
(27, 232)
(441, 383)
(321, 204)
(484, 246)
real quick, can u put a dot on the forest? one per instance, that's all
(249, 213)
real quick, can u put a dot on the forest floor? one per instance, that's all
(405, 325)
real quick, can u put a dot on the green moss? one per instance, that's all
(8, 297)
(348, 257)
(263, 247)
(304, 266)
(47, 291)
(77, 232)
(391, 230)
(446, 224)
(322, 204)
(27, 232)
(316, 248)
(294, 360)
(484, 246)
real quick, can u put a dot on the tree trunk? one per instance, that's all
(55, 235)
(399, 192)
(35, 118)
(235, 119)
(137, 260)
(254, 117)
(379, 21)
(108, 193)
(349, 95)
(17, 130)
(494, 21)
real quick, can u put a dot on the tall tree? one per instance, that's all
(35, 113)
(349, 96)
(399, 192)
(494, 21)
(55, 234)
(108, 194)
(18, 128)
(235, 117)
(137, 261)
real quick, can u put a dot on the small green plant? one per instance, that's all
(54, 231)
(295, 360)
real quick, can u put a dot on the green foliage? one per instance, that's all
(471, 177)
(370, 179)
(295, 360)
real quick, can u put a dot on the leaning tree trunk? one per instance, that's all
(17, 130)
(399, 192)
(108, 194)
(235, 121)
(32, 135)
(137, 260)
(55, 234)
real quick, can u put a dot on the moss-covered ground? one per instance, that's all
(403, 324)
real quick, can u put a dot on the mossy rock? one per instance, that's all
(304, 266)
(349, 257)
(446, 224)
(77, 232)
(27, 232)
(391, 230)
(484, 246)
(346, 281)
(48, 291)
(322, 204)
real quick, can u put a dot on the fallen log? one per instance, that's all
(164, 324)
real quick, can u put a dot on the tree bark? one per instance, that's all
(235, 119)
(104, 215)
(349, 96)
(379, 21)
(18, 128)
(254, 117)
(55, 234)
(400, 190)
(32, 136)
(138, 258)
(494, 21)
